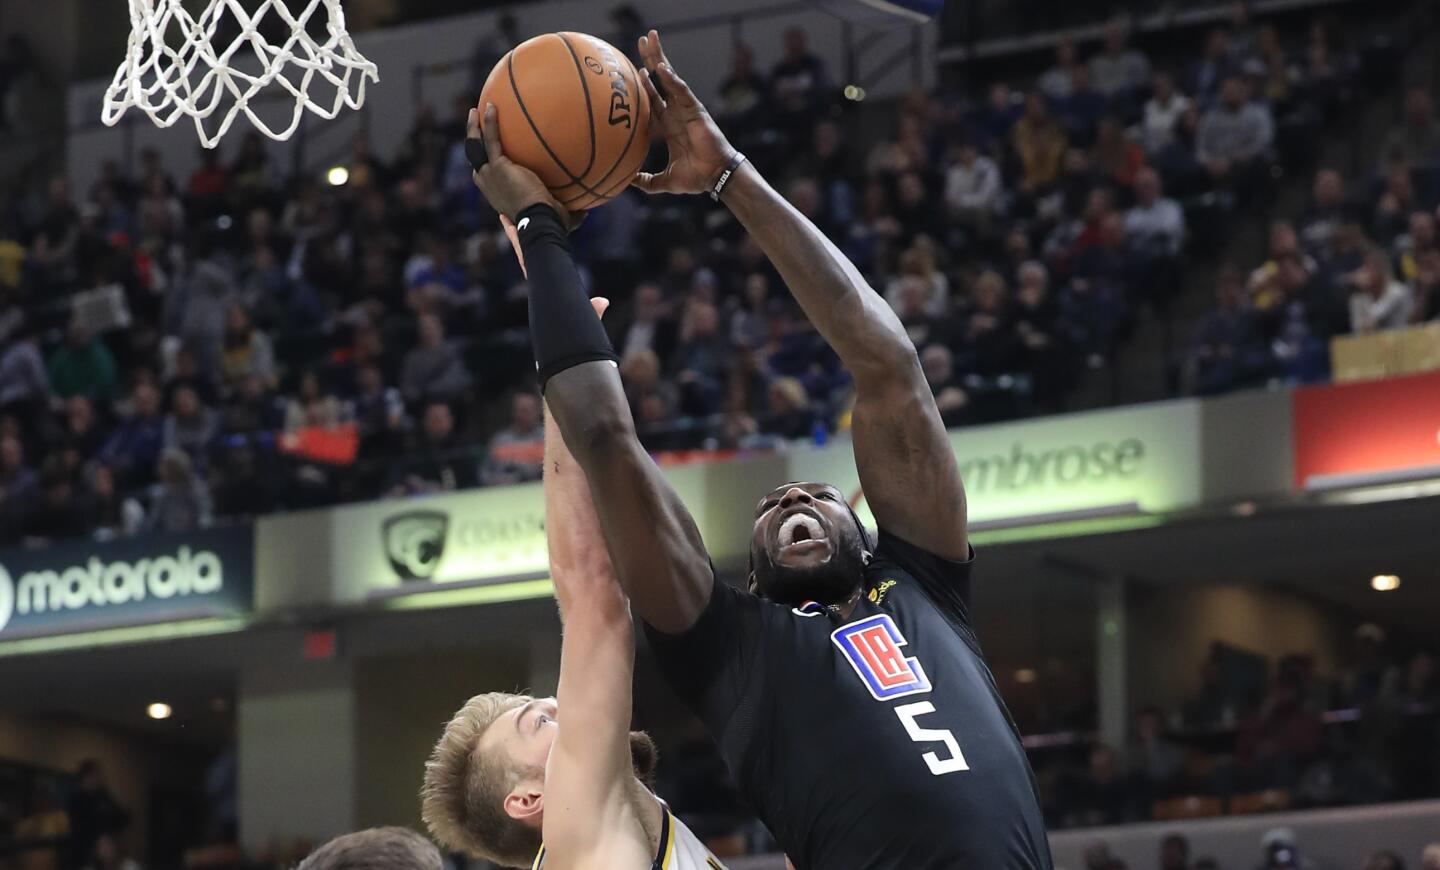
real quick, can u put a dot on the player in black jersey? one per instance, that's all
(846, 689)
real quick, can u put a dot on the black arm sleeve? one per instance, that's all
(564, 330)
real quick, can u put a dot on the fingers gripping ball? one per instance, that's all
(573, 111)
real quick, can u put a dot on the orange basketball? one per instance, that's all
(572, 110)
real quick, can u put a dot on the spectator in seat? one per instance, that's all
(990, 343)
(312, 407)
(647, 327)
(437, 460)
(702, 361)
(380, 412)
(1059, 80)
(245, 349)
(1326, 214)
(376, 849)
(80, 431)
(1174, 852)
(516, 453)
(24, 381)
(1037, 325)
(19, 479)
(1160, 122)
(790, 414)
(1430, 857)
(1235, 137)
(434, 370)
(917, 264)
(1209, 73)
(1154, 759)
(1226, 352)
(1155, 224)
(1118, 70)
(1393, 209)
(83, 367)
(1097, 796)
(57, 512)
(1039, 143)
(1114, 155)
(1266, 289)
(1416, 140)
(190, 426)
(1378, 301)
(180, 501)
(973, 189)
(993, 124)
(744, 92)
(111, 514)
(1412, 247)
(94, 812)
(798, 83)
(950, 397)
(242, 487)
(1426, 287)
(1081, 112)
(134, 448)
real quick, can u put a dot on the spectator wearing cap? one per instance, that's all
(1039, 143)
(1416, 139)
(1118, 70)
(1235, 136)
(1378, 301)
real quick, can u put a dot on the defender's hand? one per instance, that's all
(509, 187)
(698, 150)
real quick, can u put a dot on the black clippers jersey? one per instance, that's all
(873, 741)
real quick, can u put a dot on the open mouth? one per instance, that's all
(800, 531)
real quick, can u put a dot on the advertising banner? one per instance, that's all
(1350, 433)
(88, 585)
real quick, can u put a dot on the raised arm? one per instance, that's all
(654, 545)
(907, 468)
(589, 776)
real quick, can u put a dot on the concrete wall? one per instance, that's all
(1184, 620)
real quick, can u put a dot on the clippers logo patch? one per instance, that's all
(873, 647)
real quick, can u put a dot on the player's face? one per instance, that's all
(526, 734)
(805, 545)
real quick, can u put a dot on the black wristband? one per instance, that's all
(564, 331)
(724, 179)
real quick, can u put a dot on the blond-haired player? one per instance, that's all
(507, 782)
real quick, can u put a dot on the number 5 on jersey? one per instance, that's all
(909, 715)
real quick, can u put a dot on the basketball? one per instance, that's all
(573, 110)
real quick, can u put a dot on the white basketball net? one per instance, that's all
(173, 67)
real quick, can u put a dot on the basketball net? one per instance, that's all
(173, 67)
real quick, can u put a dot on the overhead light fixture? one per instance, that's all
(1026, 676)
(854, 93)
(338, 176)
(159, 710)
(1385, 582)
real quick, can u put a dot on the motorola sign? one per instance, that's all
(78, 586)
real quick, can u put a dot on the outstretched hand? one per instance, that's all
(698, 150)
(509, 187)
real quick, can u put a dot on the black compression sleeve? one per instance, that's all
(564, 330)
